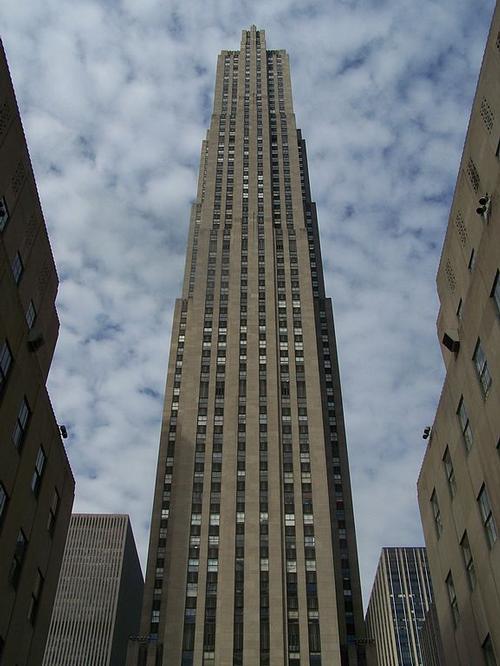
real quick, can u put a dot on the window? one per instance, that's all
(452, 597)
(4, 213)
(450, 474)
(487, 517)
(495, 292)
(30, 315)
(481, 364)
(465, 424)
(489, 655)
(437, 514)
(472, 260)
(35, 597)
(468, 561)
(53, 509)
(21, 424)
(36, 479)
(460, 309)
(18, 559)
(5, 362)
(17, 268)
(3, 502)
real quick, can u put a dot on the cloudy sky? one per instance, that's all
(116, 96)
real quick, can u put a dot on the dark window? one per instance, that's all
(3, 502)
(452, 597)
(4, 213)
(21, 424)
(465, 424)
(36, 479)
(487, 516)
(17, 268)
(481, 364)
(450, 473)
(437, 514)
(18, 559)
(489, 654)
(31, 315)
(314, 638)
(53, 509)
(5, 362)
(468, 561)
(495, 292)
(35, 597)
(472, 260)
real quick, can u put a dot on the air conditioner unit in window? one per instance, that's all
(450, 343)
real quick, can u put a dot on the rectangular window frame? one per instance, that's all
(495, 291)
(6, 360)
(482, 371)
(36, 479)
(452, 598)
(488, 520)
(436, 512)
(18, 559)
(468, 561)
(22, 423)
(465, 427)
(450, 473)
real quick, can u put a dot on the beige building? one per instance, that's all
(98, 600)
(459, 484)
(36, 484)
(252, 556)
(400, 599)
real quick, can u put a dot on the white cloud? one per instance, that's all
(114, 100)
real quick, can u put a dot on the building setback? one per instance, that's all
(36, 484)
(459, 483)
(98, 601)
(400, 598)
(252, 556)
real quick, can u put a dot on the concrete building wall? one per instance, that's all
(99, 595)
(459, 483)
(252, 555)
(36, 484)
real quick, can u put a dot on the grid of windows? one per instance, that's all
(249, 120)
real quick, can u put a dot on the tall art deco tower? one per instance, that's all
(252, 556)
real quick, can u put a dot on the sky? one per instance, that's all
(115, 97)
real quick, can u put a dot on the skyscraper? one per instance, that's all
(98, 600)
(36, 484)
(252, 556)
(459, 483)
(400, 598)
